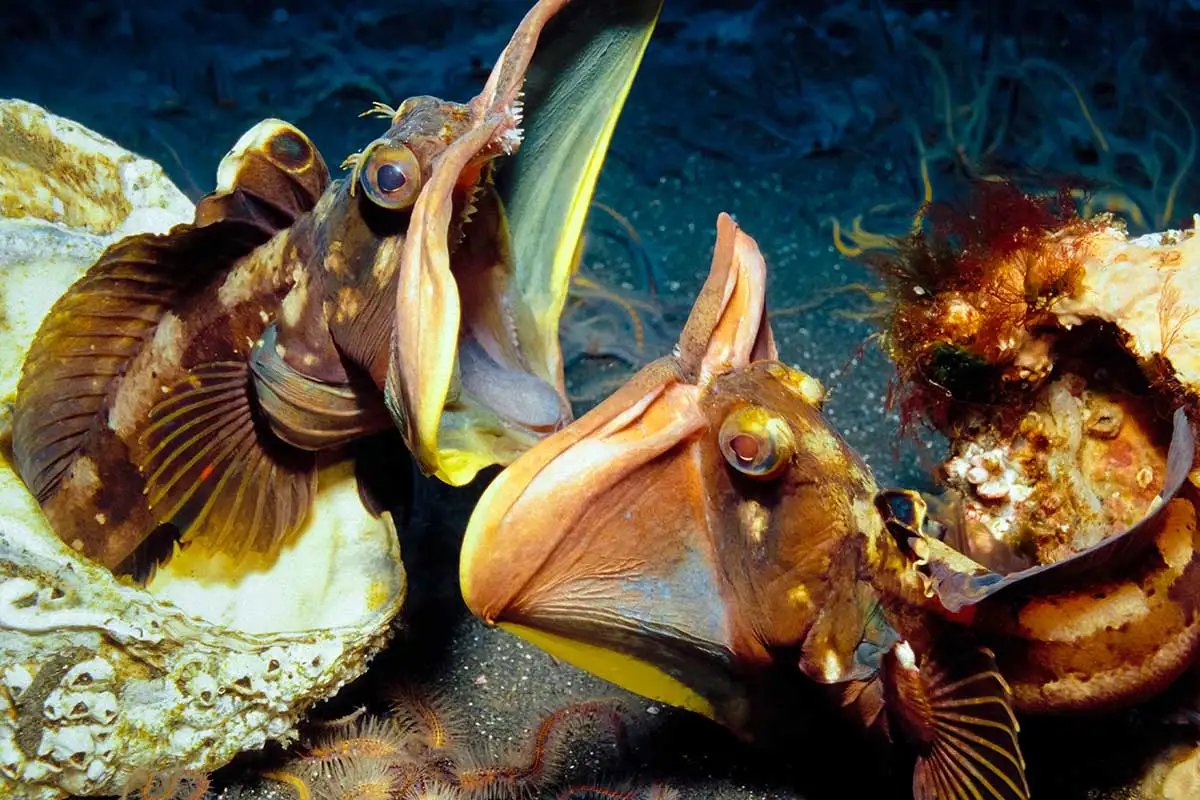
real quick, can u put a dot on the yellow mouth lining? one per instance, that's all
(625, 671)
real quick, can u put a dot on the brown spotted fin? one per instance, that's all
(106, 489)
(956, 712)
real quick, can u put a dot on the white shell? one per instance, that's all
(1149, 287)
(101, 681)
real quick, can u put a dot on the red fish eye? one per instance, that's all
(745, 447)
(757, 442)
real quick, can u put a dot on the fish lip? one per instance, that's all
(512, 487)
(542, 552)
(512, 584)
(727, 329)
(429, 310)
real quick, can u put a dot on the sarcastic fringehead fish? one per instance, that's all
(704, 531)
(187, 387)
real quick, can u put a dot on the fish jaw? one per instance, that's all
(619, 544)
(429, 310)
(460, 414)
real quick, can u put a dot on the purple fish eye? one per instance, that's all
(390, 178)
(390, 175)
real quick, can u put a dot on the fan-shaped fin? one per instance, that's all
(307, 413)
(85, 344)
(958, 714)
(95, 330)
(215, 471)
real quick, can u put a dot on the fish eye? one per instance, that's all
(757, 442)
(391, 176)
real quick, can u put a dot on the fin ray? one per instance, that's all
(213, 469)
(207, 446)
(124, 296)
(957, 712)
(967, 758)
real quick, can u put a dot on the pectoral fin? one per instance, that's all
(214, 470)
(86, 342)
(957, 713)
(308, 413)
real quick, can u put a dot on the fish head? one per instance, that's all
(475, 373)
(678, 539)
(392, 170)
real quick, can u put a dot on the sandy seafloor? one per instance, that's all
(783, 117)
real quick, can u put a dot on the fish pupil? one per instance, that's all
(745, 447)
(390, 178)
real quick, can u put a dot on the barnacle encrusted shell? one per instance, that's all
(1149, 288)
(1049, 362)
(101, 680)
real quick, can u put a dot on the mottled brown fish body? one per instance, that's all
(354, 274)
(135, 392)
(186, 382)
(100, 507)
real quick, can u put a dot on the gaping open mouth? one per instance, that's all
(475, 376)
(597, 544)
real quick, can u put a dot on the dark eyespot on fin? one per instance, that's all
(102, 322)
(215, 471)
(850, 634)
(271, 176)
(957, 713)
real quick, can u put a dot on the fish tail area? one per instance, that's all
(956, 711)
(214, 471)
